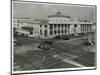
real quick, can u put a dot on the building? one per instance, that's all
(55, 25)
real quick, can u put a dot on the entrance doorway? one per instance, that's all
(75, 28)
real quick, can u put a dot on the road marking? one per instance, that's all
(73, 63)
(68, 61)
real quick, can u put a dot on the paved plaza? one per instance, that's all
(62, 54)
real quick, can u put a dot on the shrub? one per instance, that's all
(62, 37)
(65, 37)
(56, 37)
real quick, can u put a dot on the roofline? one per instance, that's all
(74, 23)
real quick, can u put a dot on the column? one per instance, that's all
(48, 30)
(53, 29)
(90, 27)
(61, 29)
(43, 30)
(87, 28)
(64, 28)
(68, 28)
(81, 28)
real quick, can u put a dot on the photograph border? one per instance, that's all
(30, 72)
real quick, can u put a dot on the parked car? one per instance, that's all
(16, 43)
(43, 46)
(88, 42)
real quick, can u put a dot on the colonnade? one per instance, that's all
(86, 27)
(59, 29)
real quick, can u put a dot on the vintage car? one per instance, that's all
(44, 46)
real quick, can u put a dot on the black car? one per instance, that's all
(43, 46)
(16, 43)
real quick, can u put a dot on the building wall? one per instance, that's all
(55, 26)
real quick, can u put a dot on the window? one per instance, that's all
(75, 25)
(51, 26)
(62, 31)
(58, 25)
(68, 25)
(62, 25)
(65, 25)
(40, 32)
(55, 26)
(59, 31)
(55, 31)
(45, 26)
(41, 26)
(31, 32)
(51, 32)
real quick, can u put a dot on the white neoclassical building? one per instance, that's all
(57, 24)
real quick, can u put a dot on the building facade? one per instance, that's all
(55, 25)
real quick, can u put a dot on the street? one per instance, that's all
(62, 54)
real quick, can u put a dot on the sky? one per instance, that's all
(43, 10)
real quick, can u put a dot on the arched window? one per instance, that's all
(51, 32)
(75, 28)
(41, 26)
(45, 26)
(75, 25)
